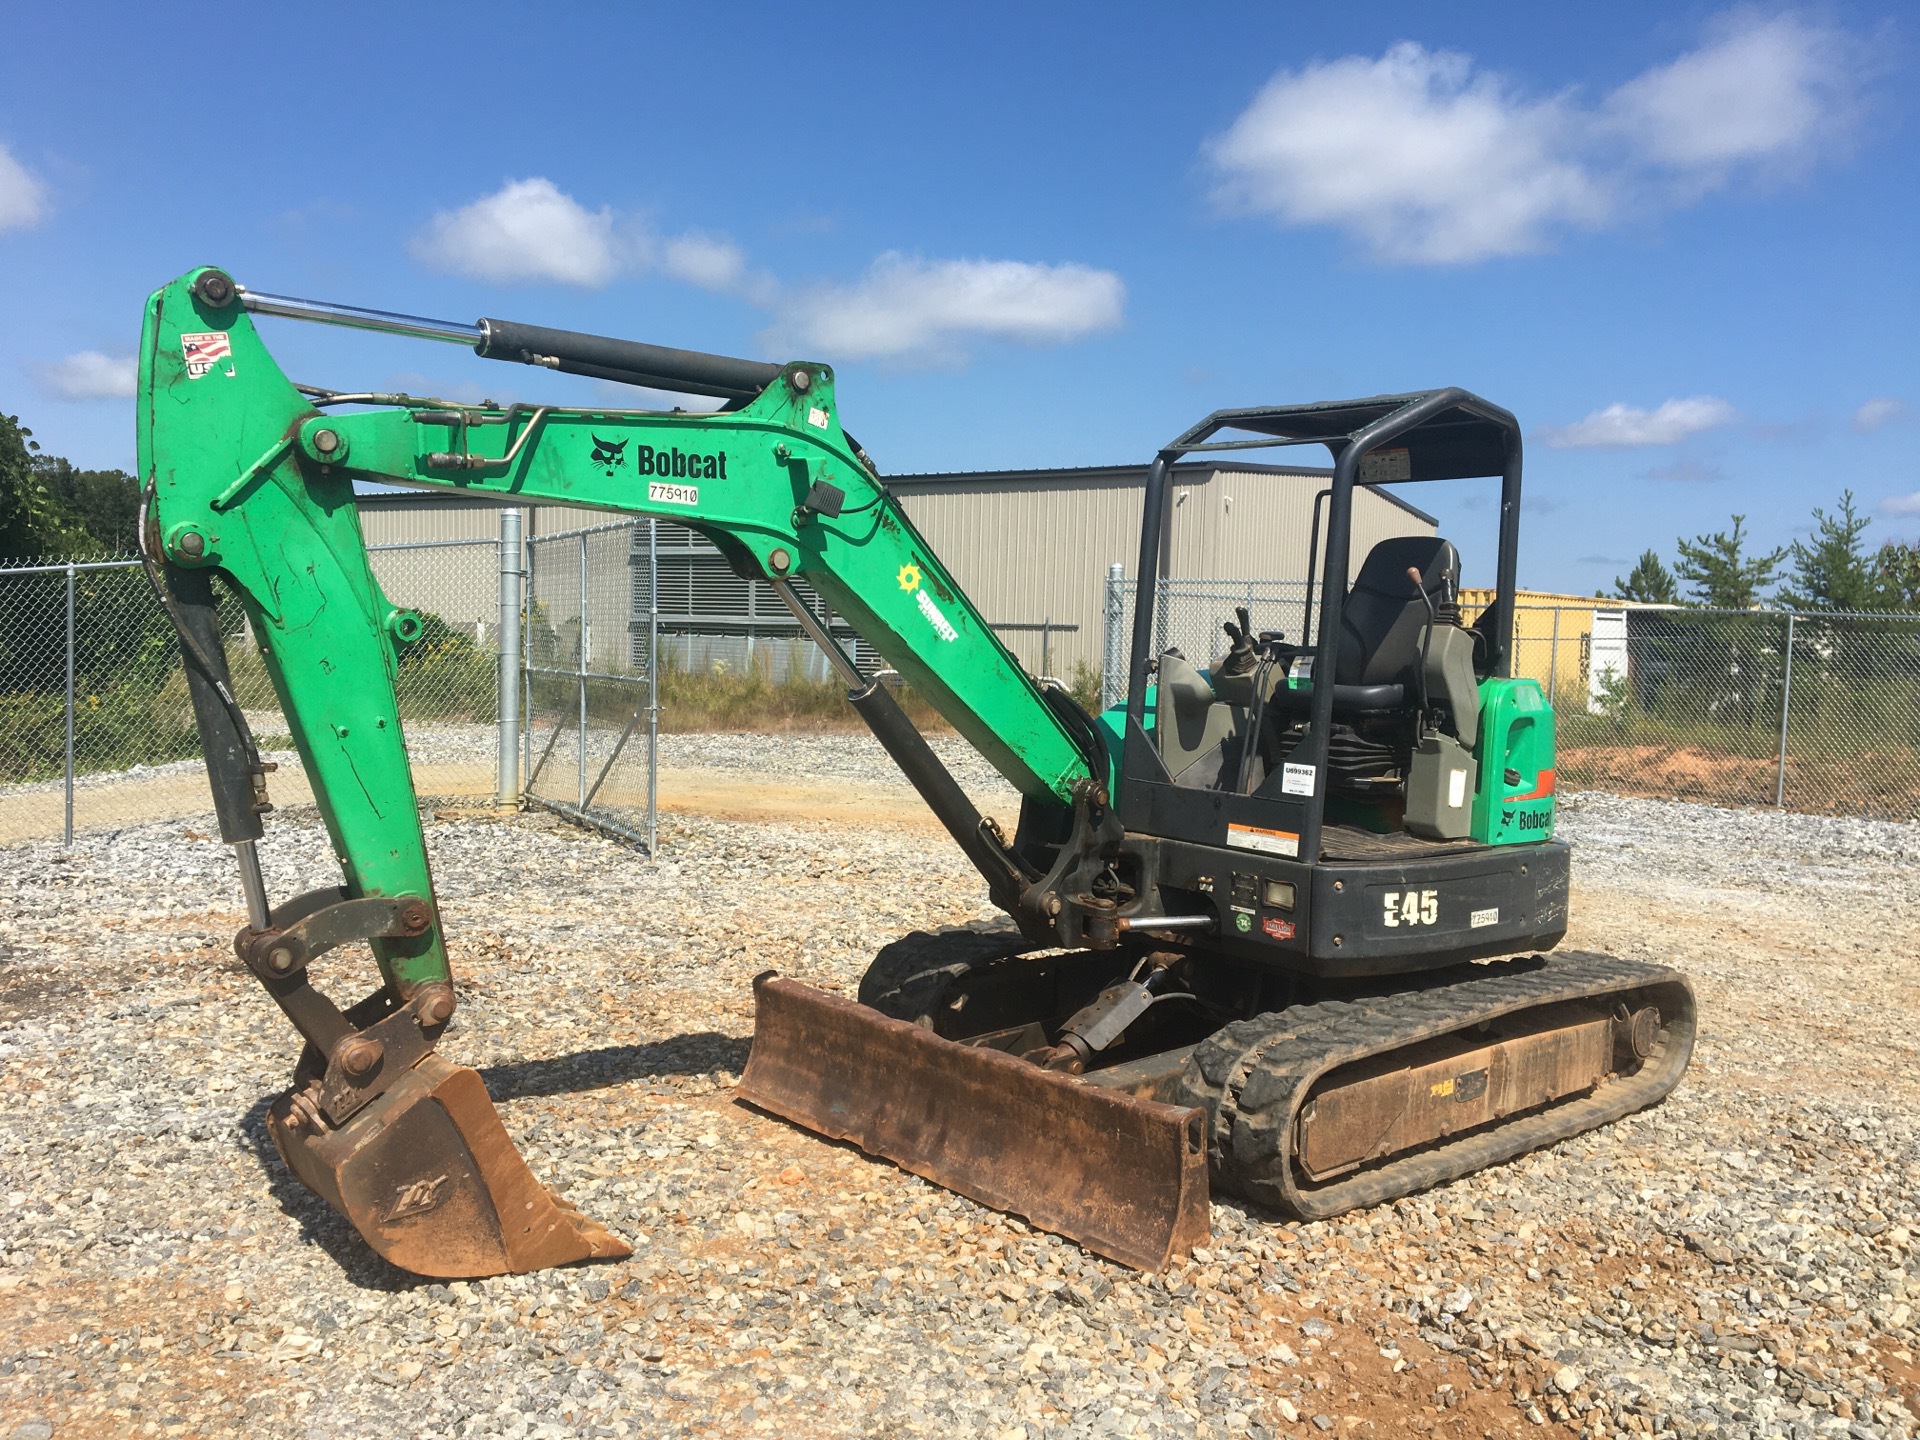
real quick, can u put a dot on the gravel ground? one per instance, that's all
(1740, 1261)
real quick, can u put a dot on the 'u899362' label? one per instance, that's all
(673, 494)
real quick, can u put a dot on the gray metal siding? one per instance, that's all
(1026, 548)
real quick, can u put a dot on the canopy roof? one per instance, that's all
(1455, 435)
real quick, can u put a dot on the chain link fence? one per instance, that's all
(591, 700)
(1811, 712)
(1187, 616)
(1808, 712)
(96, 728)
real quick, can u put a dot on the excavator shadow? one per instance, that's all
(696, 1054)
(320, 1224)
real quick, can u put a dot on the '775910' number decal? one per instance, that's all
(1410, 907)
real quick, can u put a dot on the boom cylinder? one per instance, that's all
(629, 362)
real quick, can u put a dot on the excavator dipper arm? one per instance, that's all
(250, 477)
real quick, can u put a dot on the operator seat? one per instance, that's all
(1382, 623)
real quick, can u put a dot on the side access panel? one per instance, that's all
(1368, 919)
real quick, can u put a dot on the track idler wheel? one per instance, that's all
(427, 1175)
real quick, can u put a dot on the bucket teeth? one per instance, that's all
(1125, 1177)
(427, 1175)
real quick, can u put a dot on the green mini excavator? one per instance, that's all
(1280, 922)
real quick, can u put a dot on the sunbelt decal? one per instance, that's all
(909, 578)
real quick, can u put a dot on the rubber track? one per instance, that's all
(909, 977)
(1254, 1075)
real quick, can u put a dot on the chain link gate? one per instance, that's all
(591, 694)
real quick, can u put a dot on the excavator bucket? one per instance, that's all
(427, 1174)
(1125, 1177)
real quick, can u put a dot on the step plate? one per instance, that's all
(1125, 1177)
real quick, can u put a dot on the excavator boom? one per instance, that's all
(251, 477)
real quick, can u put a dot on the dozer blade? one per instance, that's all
(1127, 1178)
(427, 1175)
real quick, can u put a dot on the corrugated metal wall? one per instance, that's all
(422, 518)
(1028, 547)
(1032, 547)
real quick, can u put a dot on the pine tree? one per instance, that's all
(1721, 574)
(1650, 582)
(1834, 571)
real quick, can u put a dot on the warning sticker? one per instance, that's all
(203, 349)
(1272, 842)
(817, 418)
(1301, 671)
(1386, 465)
(1296, 780)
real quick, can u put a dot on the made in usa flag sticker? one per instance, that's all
(203, 349)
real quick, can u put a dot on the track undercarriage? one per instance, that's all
(1345, 1095)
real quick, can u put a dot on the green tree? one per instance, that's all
(104, 505)
(1649, 582)
(1896, 570)
(32, 524)
(1720, 572)
(1835, 570)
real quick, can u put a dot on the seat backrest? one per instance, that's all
(1384, 616)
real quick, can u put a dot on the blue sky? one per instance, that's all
(1677, 240)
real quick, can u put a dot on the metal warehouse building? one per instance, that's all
(1032, 548)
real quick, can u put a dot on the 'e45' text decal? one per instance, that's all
(1409, 907)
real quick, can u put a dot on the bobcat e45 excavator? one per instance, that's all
(1279, 922)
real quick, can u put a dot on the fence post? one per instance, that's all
(1553, 656)
(653, 684)
(526, 667)
(582, 648)
(1786, 702)
(69, 705)
(1112, 660)
(510, 659)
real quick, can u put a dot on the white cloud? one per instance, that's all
(23, 199)
(913, 309)
(904, 307)
(1426, 160)
(1881, 410)
(1620, 427)
(1421, 158)
(89, 375)
(526, 230)
(713, 262)
(1901, 504)
(532, 230)
(1763, 91)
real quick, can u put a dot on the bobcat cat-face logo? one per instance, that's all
(609, 453)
